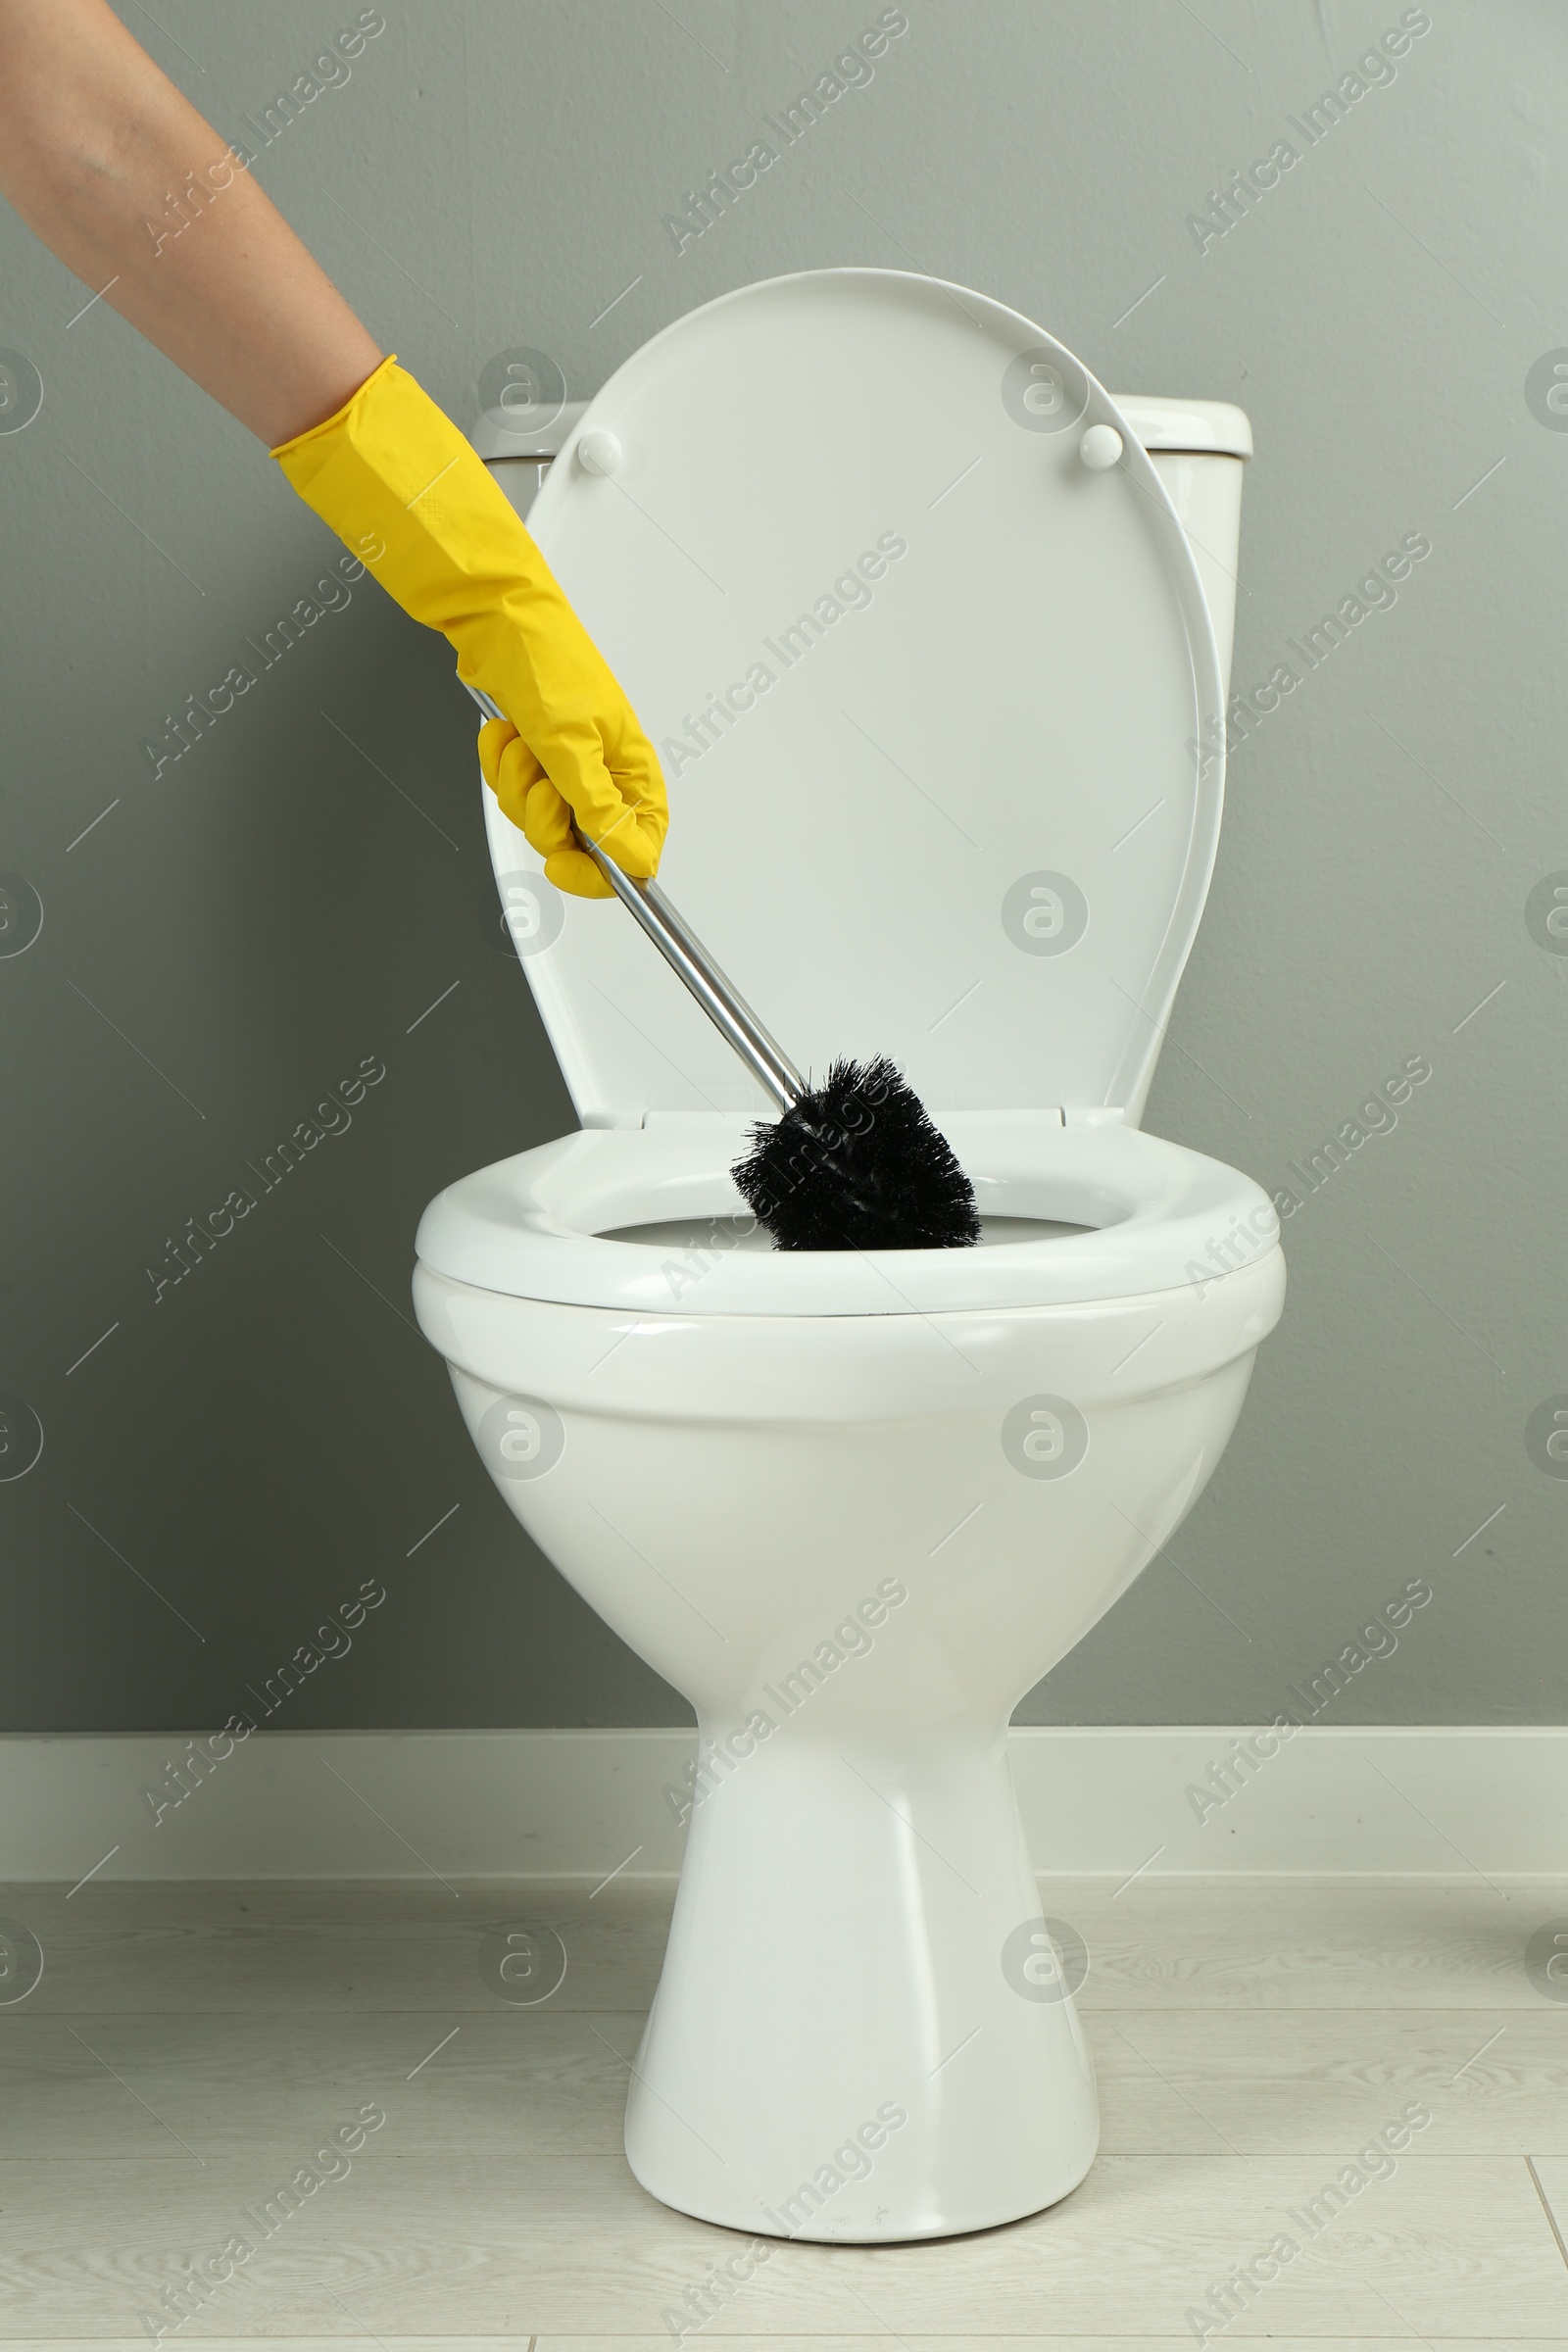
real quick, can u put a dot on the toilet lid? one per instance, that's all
(935, 698)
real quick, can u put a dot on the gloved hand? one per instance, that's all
(402, 488)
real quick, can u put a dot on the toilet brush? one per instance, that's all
(855, 1164)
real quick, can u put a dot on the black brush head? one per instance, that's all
(857, 1164)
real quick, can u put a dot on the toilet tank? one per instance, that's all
(1198, 448)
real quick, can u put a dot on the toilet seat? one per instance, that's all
(1159, 1218)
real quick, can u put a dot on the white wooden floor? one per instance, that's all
(189, 2045)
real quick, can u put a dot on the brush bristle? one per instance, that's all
(859, 1164)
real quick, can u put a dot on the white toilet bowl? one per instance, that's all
(854, 1506)
(853, 1531)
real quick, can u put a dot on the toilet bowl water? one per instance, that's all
(715, 1234)
(853, 1506)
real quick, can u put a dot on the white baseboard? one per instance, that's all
(1423, 1802)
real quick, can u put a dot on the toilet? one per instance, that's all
(932, 635)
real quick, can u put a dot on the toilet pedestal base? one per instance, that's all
(861, 2032)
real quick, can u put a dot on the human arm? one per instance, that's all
(127, 184)
(97, 148)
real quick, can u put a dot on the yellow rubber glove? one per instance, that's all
(404, 491)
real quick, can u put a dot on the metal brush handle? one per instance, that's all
(690, 960)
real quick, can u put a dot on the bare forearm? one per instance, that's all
(94, 143)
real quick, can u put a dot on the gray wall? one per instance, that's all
(229, 941)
